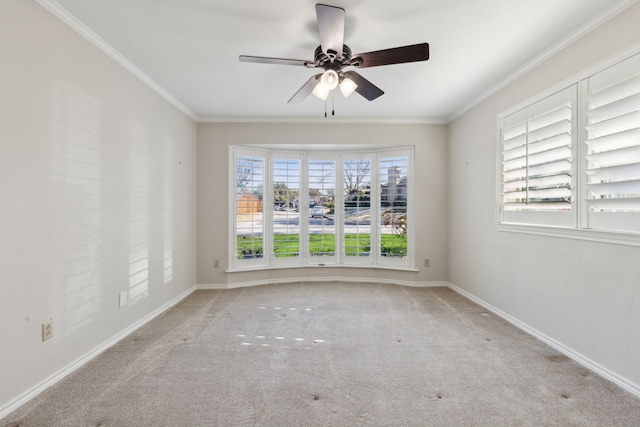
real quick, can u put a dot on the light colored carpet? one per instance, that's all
(330, 354)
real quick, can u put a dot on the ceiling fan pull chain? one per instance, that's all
(333, 105)
(325, 108)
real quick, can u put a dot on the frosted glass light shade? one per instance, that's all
(347, 87)
(329, 80)
(321, 92)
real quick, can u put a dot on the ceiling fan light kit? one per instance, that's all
(329, 79)
(347, 87)
(333, 56)
(321, 91)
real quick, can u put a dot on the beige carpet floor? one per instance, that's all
(330, 354)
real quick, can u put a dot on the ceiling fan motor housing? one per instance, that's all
(331, 60)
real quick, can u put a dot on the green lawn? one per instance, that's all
(286, 245)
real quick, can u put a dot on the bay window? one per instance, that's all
(320, 208)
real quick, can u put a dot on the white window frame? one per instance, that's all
(319, 260)
(235, 262)
(267, 261)
(283, 261)
(373, 233)
(393, 261)
(580, 227)
(540, 213)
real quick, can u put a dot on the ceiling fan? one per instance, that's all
(333, 56)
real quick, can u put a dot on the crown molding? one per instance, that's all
(567, 41)
(61, 13)
(323, 120)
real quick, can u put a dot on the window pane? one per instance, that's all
(612, 167)
(286, 217)
(537, 168)
(249, 206)
(613, 139)
(357, 207)
(537, 161)
(322, 184)
(393, 206)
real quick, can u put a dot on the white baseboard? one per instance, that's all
(574, 355)
(586, 362)
(434, 284)
(81, 361)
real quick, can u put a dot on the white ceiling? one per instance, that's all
(188, 50)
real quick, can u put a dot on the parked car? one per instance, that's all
(317, 211)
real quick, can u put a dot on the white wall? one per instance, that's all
(97, 193)
(430, 194)
(584, 295)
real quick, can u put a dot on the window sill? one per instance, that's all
(293, 267)
(615, 238)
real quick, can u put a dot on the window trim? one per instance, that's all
(579, 230)
(613, 237)
(375, 261)
(524, 114)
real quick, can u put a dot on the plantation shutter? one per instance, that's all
(248, 208)
(285, 220)
(395, 199)
(537, 167)
(613, 147)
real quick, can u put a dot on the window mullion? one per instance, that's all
(376, 211)
(527, 173)
(581, 217)
(338, 217)
(303, 202)
(267, 210)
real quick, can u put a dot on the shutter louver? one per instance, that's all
(537, 156)
(613, 147)
(249, 209)
(547, 178)
(286, 221)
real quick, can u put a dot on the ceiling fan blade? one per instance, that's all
(305, 90)
(365, 87)
(280, 61)
(331, 28)
(396, 55)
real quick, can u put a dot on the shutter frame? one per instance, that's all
(537, 145)
(612, 147)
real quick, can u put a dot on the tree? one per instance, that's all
(248, 171)
(356, 177)
(314, 192)
(283, 194)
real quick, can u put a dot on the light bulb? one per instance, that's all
(329, 79)
(347, 87)
(321, 92)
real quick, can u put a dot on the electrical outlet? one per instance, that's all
(427, 263)
(47, 330)
(216, 263)
(123, 299)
